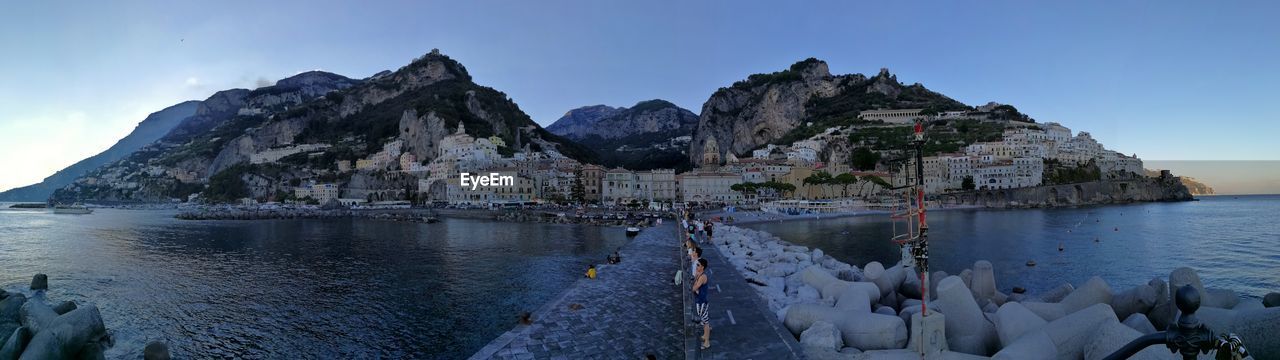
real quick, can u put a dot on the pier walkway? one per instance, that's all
(742, 327)
(631, 310)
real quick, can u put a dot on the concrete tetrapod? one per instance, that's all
(1137, 300)
(1111, 336)
(1257, 328)
(983, 282)
(66, 335)
(1162, 313)
(15, 343)
(968, 330)
(858, 328)
(822, 335)
(1140, 323)
(1094, 291)
(831, 287)
(1057, 294)
(1014, 320)
(1064, 338)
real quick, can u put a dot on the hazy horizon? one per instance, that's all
(1156, 81)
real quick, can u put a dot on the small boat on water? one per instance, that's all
(633, 231)
(72, 209)
(431, 219)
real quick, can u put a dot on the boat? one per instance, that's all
(633, 231)
(431, 219)
(72, 209)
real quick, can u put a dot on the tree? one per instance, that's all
(864, 159)
(872, 179)
(780, 187)
(745, 188)
(844, 180)
(967, 183)
(578, 191)
(227, 186)
(818, 178)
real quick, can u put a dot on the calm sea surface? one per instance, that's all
(298, 288)
(1233, 242)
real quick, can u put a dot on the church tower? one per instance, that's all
(710, 153)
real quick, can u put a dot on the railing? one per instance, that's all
(1189, 336)
(684, 289)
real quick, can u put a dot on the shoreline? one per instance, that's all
(758, 217)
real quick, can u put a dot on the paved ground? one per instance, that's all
(742, 327)
(631, 310)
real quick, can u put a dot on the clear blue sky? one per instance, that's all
(1165, 80)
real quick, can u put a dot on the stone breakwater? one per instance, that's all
(33, 329)
(836, 309)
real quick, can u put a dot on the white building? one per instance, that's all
(709, 187)
(320, 192)
(898, 116)
(763, 154)
(273, 155)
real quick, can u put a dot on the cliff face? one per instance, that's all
(645, 136)
(149, 130)
(769, 108)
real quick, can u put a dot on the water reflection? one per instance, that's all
(299, 288)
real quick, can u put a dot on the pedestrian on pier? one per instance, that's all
(695, 254)
(708, 228)
(700, 305)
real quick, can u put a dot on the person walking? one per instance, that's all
(700, 305)
(708, 229)
(701, 227)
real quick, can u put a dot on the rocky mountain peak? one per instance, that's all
(433, 65)
(606, 122)
(311, 78)
(811, 68)
(223, 101)
(885, 83)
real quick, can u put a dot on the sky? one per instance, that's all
(1169, 80)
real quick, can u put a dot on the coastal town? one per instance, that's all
(769, 174)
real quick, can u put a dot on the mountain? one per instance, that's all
(649, 135)
(578, 123)
(335, 117)
(149, 130)
(793, 104)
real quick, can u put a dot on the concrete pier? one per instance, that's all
(634, 309)
(631, 310)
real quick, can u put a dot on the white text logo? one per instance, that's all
(493, 179)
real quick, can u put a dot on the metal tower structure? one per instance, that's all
(910, 228)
